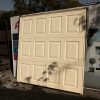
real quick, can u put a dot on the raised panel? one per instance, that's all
(27, 26)
(54, 50)
(24, 71)
(25, 49)
(73, 25)
(53, 76)
(70, 77)
(40, 26)
(37, 72)
(39, 48)
(56, 25)
(71, 50)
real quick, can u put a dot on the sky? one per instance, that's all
(8, 4)
(88, 1)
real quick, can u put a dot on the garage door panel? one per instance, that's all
(24, 72)
(26, 27)
(72, 50)
(39, 49)
(39, 74)
(71, 78)
(60, 24)
(40, 26)
(25, 49)
(52, 50)
(72, 25)
(75, 24)
(53, 75)
(56, 25)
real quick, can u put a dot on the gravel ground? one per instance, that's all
(10, 89)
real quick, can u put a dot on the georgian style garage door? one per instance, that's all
(51, 49)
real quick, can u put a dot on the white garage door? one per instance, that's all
(51, 50)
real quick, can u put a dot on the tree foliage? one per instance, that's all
(33, 6)
(5, 19)
(20, 6)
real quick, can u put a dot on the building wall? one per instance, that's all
(92, 77)
(94, 53)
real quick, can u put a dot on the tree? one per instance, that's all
(5, 19)
(20, 6)
(31, 6)
(52, 4)
(70, 3)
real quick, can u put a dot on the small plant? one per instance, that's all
(92, 61)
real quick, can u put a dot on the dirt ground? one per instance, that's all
(10, 89)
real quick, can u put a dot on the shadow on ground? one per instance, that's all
(10, 89)
(39, 93)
